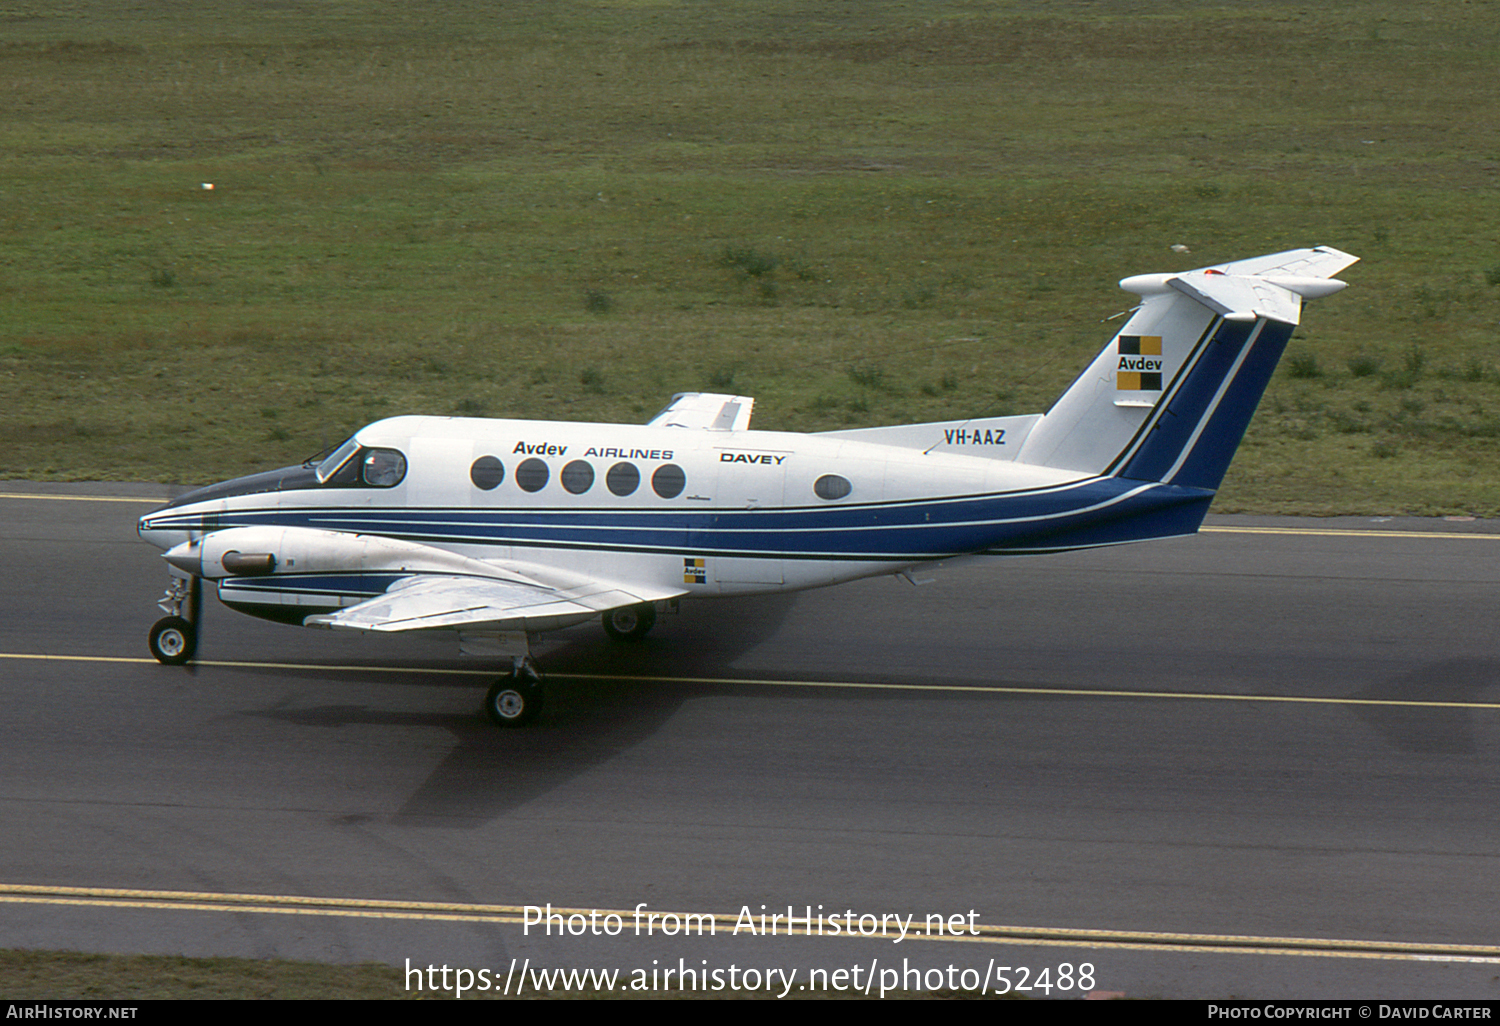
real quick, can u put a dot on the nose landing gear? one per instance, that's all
(174, 638)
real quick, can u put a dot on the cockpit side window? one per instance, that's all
(354, 466)
(382, 468)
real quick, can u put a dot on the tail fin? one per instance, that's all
(1170, 396)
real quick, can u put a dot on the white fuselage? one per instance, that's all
(642, 503)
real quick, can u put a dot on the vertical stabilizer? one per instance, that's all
(1170, 396)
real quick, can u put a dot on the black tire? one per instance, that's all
(630, 623)
(513, 701)
(173, 640)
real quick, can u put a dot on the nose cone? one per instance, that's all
(187, 557)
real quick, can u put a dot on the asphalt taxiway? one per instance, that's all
(1257, 763)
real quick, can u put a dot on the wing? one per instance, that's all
(427, 601)
(708, 411)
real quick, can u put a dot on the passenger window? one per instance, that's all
(487, 472)
(578, 477)
(531, 475)
(623, 478)
(669, 480)
(382, 468)
(831, 486)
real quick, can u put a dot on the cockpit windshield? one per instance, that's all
(335, 460)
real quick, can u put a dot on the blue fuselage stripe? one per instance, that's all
(914, 530)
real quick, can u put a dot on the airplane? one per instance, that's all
(497, 530)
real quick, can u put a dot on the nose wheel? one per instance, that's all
(174, 639)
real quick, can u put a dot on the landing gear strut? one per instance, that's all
(174, 638)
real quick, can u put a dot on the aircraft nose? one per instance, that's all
(152, 533)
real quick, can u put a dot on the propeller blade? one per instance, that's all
(195, 617)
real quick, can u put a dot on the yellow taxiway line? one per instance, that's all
(731, 924)
(1008, 935)
(1349, 532)
(80, 498)
(980, 689)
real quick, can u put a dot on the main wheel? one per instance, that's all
(173, 640)
(630, 623)
(513, 701)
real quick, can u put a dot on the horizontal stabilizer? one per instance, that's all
(1317, 262)
(1241, 299)
(1271, 286)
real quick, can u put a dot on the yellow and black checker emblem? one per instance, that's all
(1140, 363)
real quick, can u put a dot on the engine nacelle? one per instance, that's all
(263, 551)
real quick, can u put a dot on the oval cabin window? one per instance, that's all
(832, 486)
(531, 475)
(487, 472)
(623, 478)
(668, 481)
(577, 477)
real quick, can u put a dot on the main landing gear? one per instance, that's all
(630, 623)
(174, 638)
(516, 700)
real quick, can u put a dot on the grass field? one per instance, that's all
(70, 975)
(861, 213)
